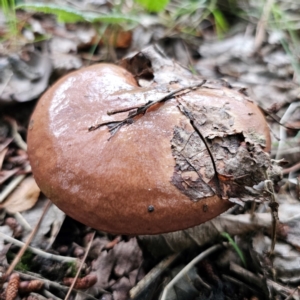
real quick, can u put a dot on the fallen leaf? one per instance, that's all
(23, 197)
(54, 216)
(121, 289)
(25, 80)
(128, 257)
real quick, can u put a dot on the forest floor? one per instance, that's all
(254, 48)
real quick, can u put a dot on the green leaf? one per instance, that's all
(63, 14)
(153, 5)
(66, 14)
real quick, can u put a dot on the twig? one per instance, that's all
(37, 296)
(11, 186)
(25, 246)
(284, 119)
(152, 275)
(15, 134)
(49, 295)
(188, 267)
(57, 285)
(141, 109)
(8, 78)
(274, 208)
(2, 156)
(117, 111)
(261, 26)
(293, 168)
(203, 283)
(22, 221)
(80, 267)
(38, 251)
(240, 283)
(291, 296)
(247, 276)
(282, 290)
(277, 119)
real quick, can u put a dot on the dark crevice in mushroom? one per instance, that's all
(216, 176)
(139, 66)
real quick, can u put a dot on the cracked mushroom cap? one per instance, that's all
(154, 174)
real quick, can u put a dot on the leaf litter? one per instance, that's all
(265, 76)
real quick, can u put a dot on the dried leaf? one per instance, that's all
(25, 81)
(24, 197)
(285, 262)
(102, 267)
(121, 289)
(53, 219)
(117, 38)
(128, 257)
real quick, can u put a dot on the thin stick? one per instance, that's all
(285, 118)
(11, 186)
(59, 286)
(80, 267)
(49, 295)
(92, 128)
(143, 108)
(39, 252)
(22, 221)
(274, 208)
(292, 294)
(15, 134)
(37, 296)
(117, 111)
(261, 26)
(152, 275)
(188, 267)
(25, 246)
(293, 168)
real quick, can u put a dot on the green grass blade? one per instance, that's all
(112, 18)
(236, 247)
(220, 21)
(70, 15)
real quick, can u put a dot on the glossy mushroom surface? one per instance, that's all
(155, 173)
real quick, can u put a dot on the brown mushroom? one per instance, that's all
(176, 165)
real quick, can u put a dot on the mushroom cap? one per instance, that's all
(131, 182)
